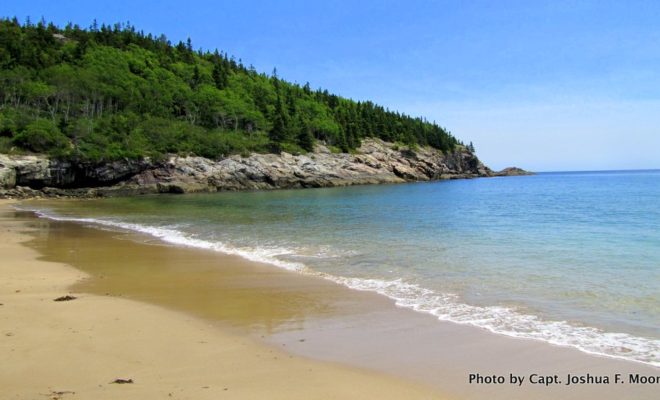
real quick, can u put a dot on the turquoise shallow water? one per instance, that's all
(568, 258)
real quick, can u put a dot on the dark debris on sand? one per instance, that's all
(65, 298)
(121, 381)
(57, 395)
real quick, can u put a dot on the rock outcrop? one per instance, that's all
(38, 171)
(374, 162)
(513, 171)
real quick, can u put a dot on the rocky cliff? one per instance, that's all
(374, 162)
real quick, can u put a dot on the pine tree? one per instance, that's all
(219, 75)
(196, 78)
(305, 138)
(280, 131)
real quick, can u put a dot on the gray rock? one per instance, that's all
(7, 172)
(513, 171)
(374, 162)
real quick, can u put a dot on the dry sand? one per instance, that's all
(74, 349)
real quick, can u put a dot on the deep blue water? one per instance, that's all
(570, 258)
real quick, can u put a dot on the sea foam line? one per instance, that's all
(176, 237)
(446, 307)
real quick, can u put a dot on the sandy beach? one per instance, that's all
(75, 349)
(201, 324)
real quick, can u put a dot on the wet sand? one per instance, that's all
(311, 317)
(75, 349)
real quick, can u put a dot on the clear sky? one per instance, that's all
(557, 85)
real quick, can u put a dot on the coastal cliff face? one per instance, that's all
(374, 162)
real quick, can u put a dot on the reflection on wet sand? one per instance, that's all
(208, 284)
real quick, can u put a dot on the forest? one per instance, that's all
(110, 92)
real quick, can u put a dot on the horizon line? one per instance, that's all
(598, 170)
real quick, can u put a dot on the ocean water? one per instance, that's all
(568, 258)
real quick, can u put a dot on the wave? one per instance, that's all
(173, 236)
(446, 307)
(509, 322)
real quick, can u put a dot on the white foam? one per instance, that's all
(173, 236)
(446, 307)
(509, 322)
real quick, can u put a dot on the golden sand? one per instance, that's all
(75, 349)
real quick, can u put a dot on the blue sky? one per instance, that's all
(559, 85)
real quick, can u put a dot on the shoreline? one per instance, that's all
(348, 327)
(557, 333)
(74, 349)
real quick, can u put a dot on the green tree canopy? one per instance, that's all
(109, 92)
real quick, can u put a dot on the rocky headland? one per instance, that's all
(374, 162)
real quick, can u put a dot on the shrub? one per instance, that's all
(5, 144)
(41, 136)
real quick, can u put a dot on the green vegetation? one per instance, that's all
(112, 92)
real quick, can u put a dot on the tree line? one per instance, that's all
(108, 92)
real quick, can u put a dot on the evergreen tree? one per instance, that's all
(220, 77)
(280, 131)
(305, 138)
(196, 78)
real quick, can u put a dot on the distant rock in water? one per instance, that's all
(513, 171)
(374, 162)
